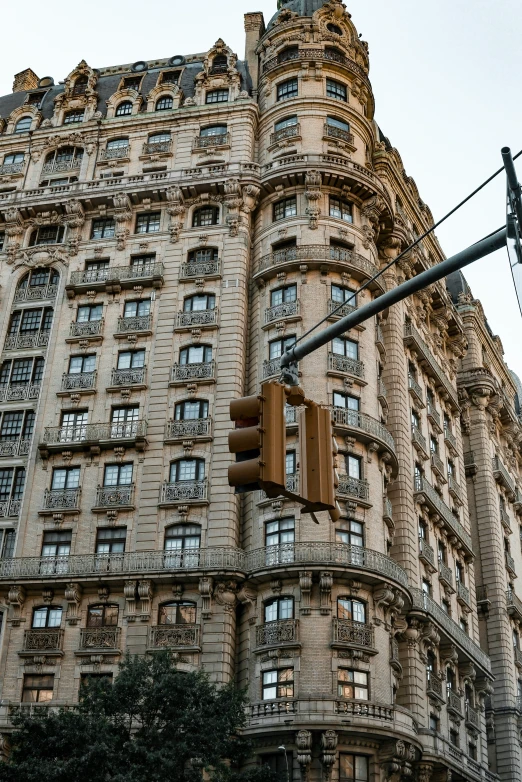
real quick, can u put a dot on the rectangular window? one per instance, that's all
(279, 346)
(426, 587)
(66, 478)
(148, 223)
(38, 688)
(118, 474)
(454, 738)
(111, 540)
(279, 532)
(104, 228)
(89, 312)
(78, 364)
(345, 347)
(353, 466)
(217, 96)
(131, 359)
(291, 463)
(287, 207)
(352, 684)
(8, 543)
(434, 722)
(73, 116)
(334, 89)
(350, 533)
(283, 295)
(341, 209)
(11, 425)
(278, 684)
(346, 401)
(56, 544)
(287, 89)
(354, 768)
(136, 308)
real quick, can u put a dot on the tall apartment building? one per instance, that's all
(166, 229)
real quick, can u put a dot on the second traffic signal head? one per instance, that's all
(319, 478)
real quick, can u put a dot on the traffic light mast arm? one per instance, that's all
(485, 247)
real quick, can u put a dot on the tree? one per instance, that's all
(153, 724)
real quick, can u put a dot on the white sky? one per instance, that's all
(445, 75)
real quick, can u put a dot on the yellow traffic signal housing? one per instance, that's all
(318, 448)
(259, 441)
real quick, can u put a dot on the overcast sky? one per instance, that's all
(445, 76)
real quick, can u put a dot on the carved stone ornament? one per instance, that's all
(33, 257)
(396, 759)
(176, 211)
(305, 584)
(16, 598)
(313, 181)
(145, 595)
(73, 595)
(303, 741)
(205, 590)
(325, 584)
(225, 595)
(129, 590)
(329, 741)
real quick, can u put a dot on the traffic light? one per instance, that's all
(319, 479)
(259, 441)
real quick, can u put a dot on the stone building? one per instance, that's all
(166, 229)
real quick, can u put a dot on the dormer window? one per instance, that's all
(170, 77)
(80, 85)
(23, 125)
(35, 99)
(164, 103)
(132, 83)
(71, 117)
(220, 64)
(217, 96)
(124, 109)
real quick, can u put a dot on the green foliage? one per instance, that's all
(153, 724)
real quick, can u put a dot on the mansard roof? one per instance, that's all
(299, 7)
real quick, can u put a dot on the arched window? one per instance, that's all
(80, 85)
(115, 145)
(40, 283)
(205, 215)
(124, 109)
(195, 354)
(199, 302)
(47, 616)
(187, 470)
(23, 125)
(279, 608)
(353, 610)
(102, 615)
(177, 613)
(219, 64)
(191, 410)
(164, 103)
(333, 28)
(63, 159)
(159, 142)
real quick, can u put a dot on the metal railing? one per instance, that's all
(440, 507)
(290, 414)
(433, 414)
(10, 508)
(87, 328)
(356, 420)
(93, 432)
(438, 464)
(219, 140)
(510, 562)
(61, 499)
(99, 638)
(501, 474)
(347, 631)
(445, 574)
(355, 488)
(43, 639)
(117, 273)
(290, 132)
(454, 702)
(157, 148)
(426, 553)
(287, 309)
(382, 391)
(387, 508)
(18, 447)
(434, 685)
(463, 595)
(272, 367)
(189, 429)
(411, 335)
(197, 318)
(472, 716)
(128, 377)
(481, 593)
(174, 636)
(195, 269)
(12, 168)
(316, 54)
(340, 309)
(57, 166)
(183, 372)
(450, 439)
(514, 604)
(415, 387)
(114, 496)
(505, 520)
(134, 323)
(319, 253)
(115, 153)
(26, 341)
(36, 292)
(274, 633)
(78, 381)
(19, 393)
(418, 438)
(349, 366)
(339, 133)
(184, 491)
(422, 601)
(454, 489)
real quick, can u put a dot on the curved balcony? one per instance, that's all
(372, 564)
(338, 134)
(208, 142)
(284, 632)
(292, 131)
(316, 256)
(451, 631)
(288, 310)
(197, 319)
(353, 635)
(366, 428)
(113, 279)
(189, 429)
(338, 310)
(344, 365)
(316, 55)
(354, 489)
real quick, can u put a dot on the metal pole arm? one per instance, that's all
(456, 262)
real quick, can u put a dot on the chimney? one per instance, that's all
(254, 29)
(25, 80)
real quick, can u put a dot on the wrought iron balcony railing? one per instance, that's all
(445, 575)
(10, 508)
(291, 131)
(321, 55)
(426, 553)
(174, 636)
(99, 638)
(415, 390)
(197, 318)
(275, 633)
(128, 377)
(320, 253)
(134, 323)
(63, 435)
(115, 153)
(439, 506)
(11, 168)
(422, 601)
(434, 686)
(463, 595)
(339, 134)
(455, 490)
(271, 368)
(78, 381)
(346, 631)
(114, 496)
(39, 339)
(387, 508)
(338, 310)
(355, 488)
(505, 520)
(114, 274)
(182, 373)
(36, 292)
(346, 365)
(514, 605)
(438, 466)
(472, 716)
(58, 166)
(43, 639)
(382, 391)
(502, 476)
(18, 447)
(219, 140)
(433, 415)
(19, 393)
(419, 441)
(195, 269)
(189, 429)
(353, 419)
(62, 499)
(454, 702)
(159, 148)
(184, 491)
(432, 366)
(450, 440)
(87, 328)
(288, 309)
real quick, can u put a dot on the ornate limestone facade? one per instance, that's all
(155, 259)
